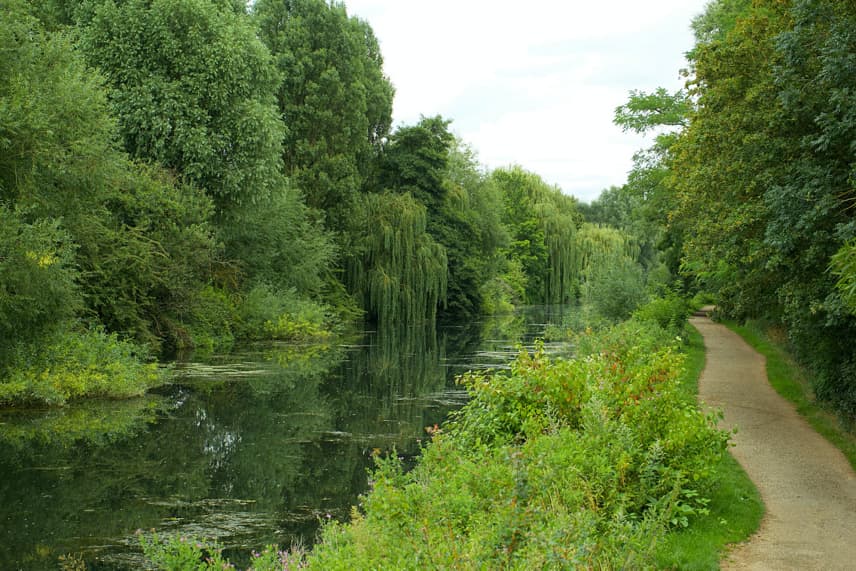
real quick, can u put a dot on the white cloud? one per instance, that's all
(533, 83)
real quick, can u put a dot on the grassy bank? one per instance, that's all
(76, 364)
(793, 382)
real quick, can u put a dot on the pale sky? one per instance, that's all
(536, 82)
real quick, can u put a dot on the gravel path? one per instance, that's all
(807, 485)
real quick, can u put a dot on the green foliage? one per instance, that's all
(277, 242)
(669, 312)
(56, 136)
(615, 289)
(734, 514)
(209, 322)
(613, 282)
(145, 263)
(613, 207)
(193, 88)
(542, 223)
(395, 266)
(764, 174)
(843, 265)
(266, 313)
(72, 365)
(334, 96)
(719, 18)
(38, 293)
(646, 111)
(141, 241)
(462, 208)
(494, 488)
(180, 553)
(416, 158)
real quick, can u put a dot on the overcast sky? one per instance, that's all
(534, 82)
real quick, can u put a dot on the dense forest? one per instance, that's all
(181, 174)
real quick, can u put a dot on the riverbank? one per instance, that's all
(600, 461)
(735, 509)
(76, 362)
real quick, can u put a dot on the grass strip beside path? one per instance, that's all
(735, 508)
(793, 382)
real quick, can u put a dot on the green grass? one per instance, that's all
(793, 382)
(735, 507)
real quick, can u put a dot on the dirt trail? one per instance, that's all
(807, 485)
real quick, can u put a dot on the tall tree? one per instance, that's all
(395, 266)
(334, 97)
(764, 173)
(426, 161)
(543, 223)
(194, 89)
(141, 242)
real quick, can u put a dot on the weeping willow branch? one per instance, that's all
(398, 270)
(558, 222)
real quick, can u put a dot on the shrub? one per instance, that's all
(37, 280)
(210, 321)
(179, 553)
(614, 288)
(560, 464)
(669, 312)
(268, 313)
(74, 364)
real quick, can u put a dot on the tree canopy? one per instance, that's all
(754, 188)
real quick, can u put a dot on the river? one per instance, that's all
(252, 447)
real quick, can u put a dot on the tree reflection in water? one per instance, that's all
(249, 448)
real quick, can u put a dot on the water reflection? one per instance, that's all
(249, 448)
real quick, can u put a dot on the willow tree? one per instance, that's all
(613, 281)
(558, 217)
(437, 170)
(543, 224)
(395, 266)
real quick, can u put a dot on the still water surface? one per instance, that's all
(253, 447)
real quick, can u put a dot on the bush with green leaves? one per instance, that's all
(562, 464)
(614, 287)
(76, 364)
(182, 553)
(38, 292)
(669, 312)
(268, 313)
